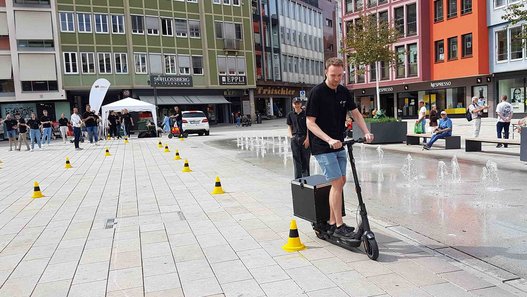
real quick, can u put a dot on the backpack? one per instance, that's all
(468, 115)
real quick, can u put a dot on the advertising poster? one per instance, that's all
(517, 99)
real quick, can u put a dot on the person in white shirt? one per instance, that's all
(76, 122)
(504, 111)
(476, 111)
(422, 115)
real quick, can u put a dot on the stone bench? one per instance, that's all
(451, 142)
(474, 144)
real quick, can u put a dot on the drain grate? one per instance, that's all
(181, 216)
(110, 223)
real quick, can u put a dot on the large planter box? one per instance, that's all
(390, 132)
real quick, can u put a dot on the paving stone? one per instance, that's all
(57, 272)
(87, 273)
(158, 265)
(331, 292)
(122, 279)
(230, 271)
(256, 258)
(310, 278)
(220, 253)
(201, 287)
(466, 280)
(282, 288)
(135, 292)
(52, 289)
(446, 290)
(162, 282)
(268, 274)
(94, 289)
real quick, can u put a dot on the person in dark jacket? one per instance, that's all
(297, 130)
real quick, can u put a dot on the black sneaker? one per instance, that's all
(343, 231)
(331, 229)
(498, 145)
(426, 147)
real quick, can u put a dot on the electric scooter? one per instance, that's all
(363, 234)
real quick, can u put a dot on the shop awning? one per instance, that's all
(185, 100)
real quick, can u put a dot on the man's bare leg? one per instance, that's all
(335, 201)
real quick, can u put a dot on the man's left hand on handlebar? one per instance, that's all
(368, 137)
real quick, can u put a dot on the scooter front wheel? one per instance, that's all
(371, 248)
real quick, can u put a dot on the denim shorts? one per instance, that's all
(11, 134)
(333, 164)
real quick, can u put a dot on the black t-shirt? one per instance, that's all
(33, 124)
(22, 126)
(127, 119)
(297, 121)
(9, 124)
(91, 121)
(112, 119)
(329, 107)
(63, 122)
(45, 119)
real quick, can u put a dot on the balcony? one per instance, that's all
(232, 44)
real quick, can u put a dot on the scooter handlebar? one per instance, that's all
(353, 141)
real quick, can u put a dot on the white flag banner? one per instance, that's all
(97, 93)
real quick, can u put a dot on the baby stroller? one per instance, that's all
(246, 121)
(55, 130)
(175, 132)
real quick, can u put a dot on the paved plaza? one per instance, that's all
(133, 224)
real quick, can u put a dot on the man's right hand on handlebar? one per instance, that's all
(334, 144)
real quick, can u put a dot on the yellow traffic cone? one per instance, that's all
(293, 242)
(217, 187)
(107, 153)
(186, 168)
(36, 191)
(108, 137)
(177, 157)
(159, 144)
(181, 137)
(166, 149)
(68, 164)
(126, 140)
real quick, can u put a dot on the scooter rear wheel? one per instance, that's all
(371, 248)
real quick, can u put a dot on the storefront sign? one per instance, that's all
(233, 79)
(440, 84)
(275, 91)
(234, 93)
(386, 89)
(170, 81)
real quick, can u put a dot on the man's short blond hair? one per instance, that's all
(338, 62)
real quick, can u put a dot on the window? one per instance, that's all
(438, 10)
(194, 28)
(170, 64)
(411, 20)
(197, 65)
(121, 63)
(467, 45)
(412, 59)
(372, 3)
(84, 22)
(329, 23)
(359, 5)
(183, 64)
(227, 2)
(349, 6)
(152, 25)
(360, 74)
(105, 63)
(351, 75)
(236, 2)
(192, 1)
(216, 1)
(452, 48)
(516, 43)
(35, 43)
(502, 46)
(101, 23)
(70, 63)
(88, 63)
(452, 8)
(399, 19)
(400, 61)
(181, 28)
(373, 72)
(222, 65)
(39, 86)
(219, 29)
(67, 22)
(499, 3)
(466, 6)
(166, 27)
(140, 63)
(439, 51)
(238, 31)
(118, 24)
(240, 65)
(385, 71)
(138, 25)
(383, 17)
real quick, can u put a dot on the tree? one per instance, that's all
(368, 42)
(517, 13)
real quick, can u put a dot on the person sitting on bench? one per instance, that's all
(444, 130)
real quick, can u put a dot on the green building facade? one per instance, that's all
(196, 54)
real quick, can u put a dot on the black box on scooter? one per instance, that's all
(311, 198)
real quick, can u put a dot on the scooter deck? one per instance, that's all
(347, 243)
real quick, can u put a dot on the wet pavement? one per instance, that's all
(485, 217)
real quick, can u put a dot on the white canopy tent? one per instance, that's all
(130, 104)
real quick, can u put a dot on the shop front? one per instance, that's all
(274, 101)
(513, 85)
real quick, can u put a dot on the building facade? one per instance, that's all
(289, 52)
(508, 58)
(192, 54)
(30, 63)
(412, 67)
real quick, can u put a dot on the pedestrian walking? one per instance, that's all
(166, 123)
(90, 120)
(22, 132)
(34, 131)
(63, 126)
(45, 120)
(476, 111)
(327, 107)
(504, 112)
(128, 122)
(421, 120)
(297, 130)
(11, 126)
(76, 122)
(112, 123)
(433, 117)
